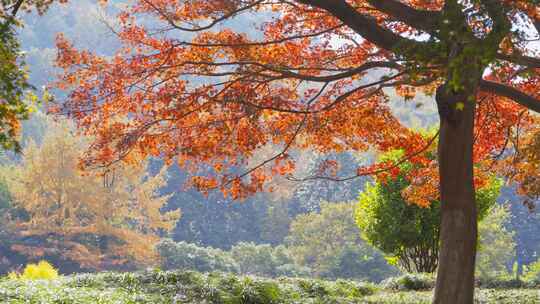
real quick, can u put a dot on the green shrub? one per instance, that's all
(502, 283)
(351, 289)
(418, 281)
(246, 258)
(260, 292)
(403, 230)
(292, 270)
(532, 272)
(187, 256)
(496, 245)
(313, 288)
(265, 260)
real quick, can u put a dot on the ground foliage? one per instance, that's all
(216, 288)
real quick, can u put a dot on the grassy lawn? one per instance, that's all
(497, 296)
(195, 288)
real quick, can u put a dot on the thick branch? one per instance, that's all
(527, 61)
(364, 67)
(17, 7)
(516, 95)
(371, 172)
(286, 72)
(365, 26)
(422, 20)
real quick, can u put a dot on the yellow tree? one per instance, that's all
(97, 219)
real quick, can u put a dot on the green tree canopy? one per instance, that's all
(407, 233)
(330, 244)
(16, 92)
(13, 85)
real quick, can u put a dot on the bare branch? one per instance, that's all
(201, 28)
(364, 25)
(373, 172)
(423, 20)
(364, 67)
(530, 62)
(516, 95)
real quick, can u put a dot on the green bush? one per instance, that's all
(254, 259)
(265, 260)
(246, 258)
(496, 247)
(292, 270)
(503, 283)
(187, 256)
(417, 281)
(260, 292)
(532, 272)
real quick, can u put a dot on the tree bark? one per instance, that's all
(458, 231)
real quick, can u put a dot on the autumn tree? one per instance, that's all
(99, 220)
(523, 167)
(186, 86)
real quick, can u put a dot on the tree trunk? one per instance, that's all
(458, 231)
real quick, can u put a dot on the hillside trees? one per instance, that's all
(211, 220)
(524, 223)
(329, 243)
(299, 83)
(95, 219)
(496, 244)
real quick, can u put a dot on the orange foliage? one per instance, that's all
(523, 165)
(201, 93)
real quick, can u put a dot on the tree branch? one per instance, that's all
(423, 20)
(228, 15)
(17, 7)
(364, 67)
(530, 62)
(371, 172)
(365, 26)
(516, 95)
